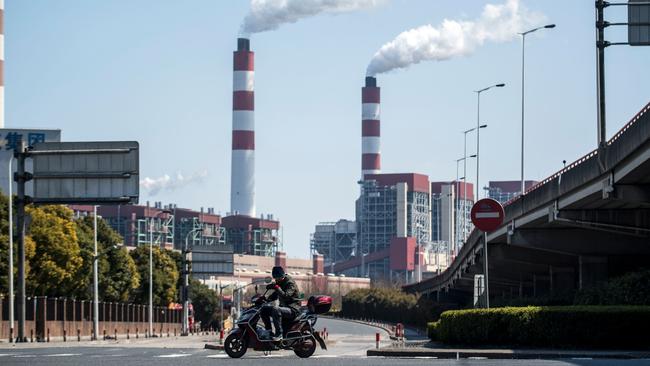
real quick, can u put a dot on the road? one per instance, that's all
(348, 343)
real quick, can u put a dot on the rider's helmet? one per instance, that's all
(277, 273)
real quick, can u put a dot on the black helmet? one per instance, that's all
(277, 272)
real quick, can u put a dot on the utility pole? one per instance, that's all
(11, 254)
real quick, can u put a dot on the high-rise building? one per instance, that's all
(451, 203)
(505, 190)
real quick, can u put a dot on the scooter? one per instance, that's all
(298, 335)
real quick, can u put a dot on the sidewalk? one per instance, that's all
(439, 351)
(191, 341)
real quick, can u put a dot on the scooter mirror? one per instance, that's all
(268, 280)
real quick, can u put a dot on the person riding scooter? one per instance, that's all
(286, 291)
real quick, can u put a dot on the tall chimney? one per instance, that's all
(370, 132)
(242, 179)
(2, 63)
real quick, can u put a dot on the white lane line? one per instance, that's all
(5, 354)
(174, 355)
(222, 355)
(24, 356)
(325, 356)
(63, 354)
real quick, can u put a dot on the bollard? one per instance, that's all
(174, 332)
(48, 335)
(31, 335)
(221, 336)
(167, 332)
(78, 335)
(115, 333)
(104, 334)
(127, 334)
(64, 335)
(136, 333)
(377, 339)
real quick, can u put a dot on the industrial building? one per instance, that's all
(335, 241)
(451, 224)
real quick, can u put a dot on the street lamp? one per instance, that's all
(465, 165)
(95, 278)
(11, 252)
(151, 225)
(523, 48)
(478, 128)
(460, 218)
(221, 298)
(186, 284)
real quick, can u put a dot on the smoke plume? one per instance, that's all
(166, 183)
(265, 15)
(497, 23)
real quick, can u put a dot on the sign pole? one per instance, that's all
(21, 178)
(487, 215)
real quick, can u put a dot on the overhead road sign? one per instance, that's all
(86, 172)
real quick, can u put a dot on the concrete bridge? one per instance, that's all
(582, 225)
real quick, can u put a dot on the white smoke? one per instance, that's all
(265, 15)
(497, 23)
(167, 183)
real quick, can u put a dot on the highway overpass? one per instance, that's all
(582, 225)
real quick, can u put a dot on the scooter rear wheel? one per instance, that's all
(306, 348)
(235, 345)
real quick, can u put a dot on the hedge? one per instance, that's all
(612, 327)
(391, 305)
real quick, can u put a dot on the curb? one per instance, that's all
(216, 347)
(507, 354)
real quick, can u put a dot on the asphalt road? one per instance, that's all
(348, 343)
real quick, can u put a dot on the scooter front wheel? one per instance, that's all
(236, 345)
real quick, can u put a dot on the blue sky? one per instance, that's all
(160, 72)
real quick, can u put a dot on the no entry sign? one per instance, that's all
(487, 214)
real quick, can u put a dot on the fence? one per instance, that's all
(72, 319)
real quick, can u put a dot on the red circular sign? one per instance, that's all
(487, 214)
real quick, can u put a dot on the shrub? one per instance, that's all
(432, 330)
(391, 305)
(561, 326)
(630, 289)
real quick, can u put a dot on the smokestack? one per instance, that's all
(242, 183)
(2, 63)
(370, 132)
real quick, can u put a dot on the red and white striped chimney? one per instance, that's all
(370, 131)
(242, 180)
(2, 63)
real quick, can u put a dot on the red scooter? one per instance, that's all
(298, 336)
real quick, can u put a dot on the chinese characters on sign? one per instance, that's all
(9, 140)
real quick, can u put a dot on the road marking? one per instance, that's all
(221, 355)
(24, 356)
(173, 355)
(581, 358)
(325, 356)
(63, 354)
(5, 354)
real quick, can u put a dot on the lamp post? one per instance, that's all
(460, 216)
(151, 225)
(186, 284)
(221, 300)
(465, 167)
(11, 252)
(478, 129)
(523, 48)
(95, 278)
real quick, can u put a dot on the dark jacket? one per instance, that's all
(288, 294)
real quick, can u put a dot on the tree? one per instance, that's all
(57, 254)
(205, 302)
(165, 276)
(118, 275)
(4, 247)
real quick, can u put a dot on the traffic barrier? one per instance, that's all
(377, 339)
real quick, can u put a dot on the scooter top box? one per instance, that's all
(319, 304)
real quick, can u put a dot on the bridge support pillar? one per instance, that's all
(592, 270)
(563, 280)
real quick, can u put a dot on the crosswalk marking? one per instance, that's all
(173, 355)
